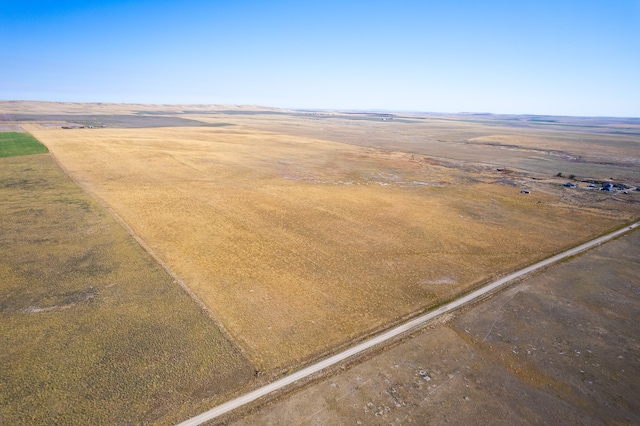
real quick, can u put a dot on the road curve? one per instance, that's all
(390, 334)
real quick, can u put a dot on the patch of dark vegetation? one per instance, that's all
(118, 121)
(82, 204)
(21, 183)
(89, 263)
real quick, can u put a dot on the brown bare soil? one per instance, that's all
(559, 348)
(299, 245)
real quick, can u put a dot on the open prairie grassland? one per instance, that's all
(301, 232)
(92, 329)
(301, 239)
(580, 146)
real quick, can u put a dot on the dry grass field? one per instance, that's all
(559, 348)
(299, 245)
(92, 329)
(302, 232)
(584, 147)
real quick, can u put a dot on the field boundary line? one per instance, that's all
(398, 330)
(102, 203)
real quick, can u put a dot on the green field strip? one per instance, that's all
(14, 144)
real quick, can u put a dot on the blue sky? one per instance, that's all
(521, 57)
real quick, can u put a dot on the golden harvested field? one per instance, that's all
(558, 348)
(299, 245)
(92, 329)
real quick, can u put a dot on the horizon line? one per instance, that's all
(338, 110)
